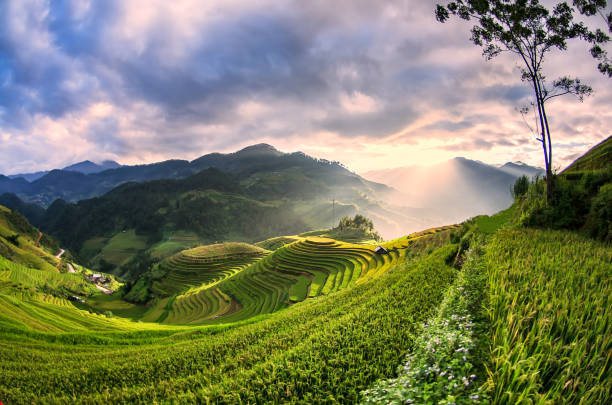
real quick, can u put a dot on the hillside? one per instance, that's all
(85, 167)
(23, 244)
(358, 332)
(598, 157)
(82, 181)
(267, 194)
(488, 311)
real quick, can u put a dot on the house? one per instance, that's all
(381, 250)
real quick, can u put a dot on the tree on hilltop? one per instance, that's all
(530, 31)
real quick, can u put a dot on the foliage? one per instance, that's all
(551, 326)
(599, 219)
(571, 205)
(520, 187)
(530, 31)
(359, 225)
(446, 363)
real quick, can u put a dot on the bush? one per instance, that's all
(599, 219)
(14, 239)
(521, 185)
(571, 204)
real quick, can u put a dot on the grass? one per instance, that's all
(24, 251)
(488, 225)
(550, 315)
(599, 157)
(92, 247)
(321, 350)
(445, 364)
(122, 247)
(230, 282)
(176, 242)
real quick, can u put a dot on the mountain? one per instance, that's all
(454, 190)
(85, 167)
(29, 177)
(519, 169)
(88, 167)
(250, 195)
(74, 186)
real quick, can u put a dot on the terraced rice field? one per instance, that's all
(15, 274)
(317, 351)
(202, 287)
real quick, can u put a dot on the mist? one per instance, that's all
(441, 194)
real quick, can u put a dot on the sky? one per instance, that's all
(372, 84)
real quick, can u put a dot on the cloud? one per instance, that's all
(147, 80)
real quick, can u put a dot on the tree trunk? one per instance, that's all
(549, 174)
(545, 137)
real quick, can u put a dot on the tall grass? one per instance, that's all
(550, 318)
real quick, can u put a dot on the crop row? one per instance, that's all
(306, 268)
(550, 295)
(318, 351)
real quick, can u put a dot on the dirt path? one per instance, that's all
(70, 268)
(104, 290)
(61, 252)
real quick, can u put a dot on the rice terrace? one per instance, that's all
(414, 249)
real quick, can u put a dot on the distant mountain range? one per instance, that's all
(457, 189)
(518, 169)
(85, 167)
(248, 195)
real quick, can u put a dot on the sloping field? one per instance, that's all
(598, 157)
(204, 266)
(25, 277)
(23, 249)
(324, 350)
(220, 289)
(122, 247)
(551, 325)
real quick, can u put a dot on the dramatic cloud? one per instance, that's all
(372, 84)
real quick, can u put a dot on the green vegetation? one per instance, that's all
(446, 362)
(488, 311)
(122, 247)
(357, 229)
(551, 326)
(320, 350)
(233, 282)
(597, 158)
(277, 242)
(579, 201)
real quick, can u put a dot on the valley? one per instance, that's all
(318, 316)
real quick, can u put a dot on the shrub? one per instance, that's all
(571, 205)
(599, 219)
(14, 239)
(521, 185)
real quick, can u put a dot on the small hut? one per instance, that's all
(381, 250)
